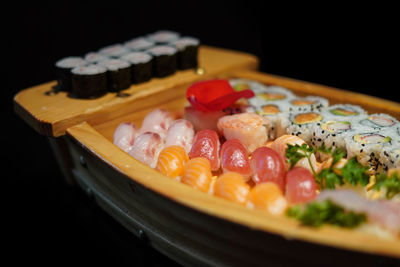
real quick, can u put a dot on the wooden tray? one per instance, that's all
(190, 226)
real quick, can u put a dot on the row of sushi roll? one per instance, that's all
(240, 153)
(116, 67)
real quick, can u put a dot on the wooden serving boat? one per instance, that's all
(187, 225)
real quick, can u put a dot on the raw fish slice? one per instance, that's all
(198, 174)
(232, 186)
(206, 144)
(146, 148)
(234, 157)
(125, 135)
(280, 146)
(180, 133)
(267, 196)
(247, 127)
(157, 121)
(171, 161)
(379, 212)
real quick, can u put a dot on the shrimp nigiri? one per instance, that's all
(206, 144)
(249, 128)
(181, 133)
(267, 196)
(171, 161)
(234, 157)
(280, 146)
(232, 186)
(157, 121)
(146, 148)
(198, 174)
(125, 135)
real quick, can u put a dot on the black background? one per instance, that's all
(48, 222)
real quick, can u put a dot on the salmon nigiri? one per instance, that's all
(125, 135)
(181, 133)
(267, 196)
(232, 186)
(157, 121)
(146, 148)
(171, 161)
(234, 157)
(198, 174)
(280, 146)
(249, 128)
(206, 144)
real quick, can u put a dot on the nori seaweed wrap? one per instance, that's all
(63, 69)
(141, 66)
(89, 81)
(187, 52)
(118, 74)
(165, 60)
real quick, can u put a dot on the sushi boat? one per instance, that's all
(185, 224)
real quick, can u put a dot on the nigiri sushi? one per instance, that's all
(146, 148)
(181, 133)
(198, 174)
(171, 161)
(267, 196)
(157, 121)
(206, 144)
(280, 146)
(249, 128)
(234, 157)
(232, 186)
(125, 135)
(267, 166)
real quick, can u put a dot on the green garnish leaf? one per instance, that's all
(392, 184)
(327, 178)
(315, 214)
(294, 153)
(354, 173)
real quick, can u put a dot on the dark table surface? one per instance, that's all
(49, 222)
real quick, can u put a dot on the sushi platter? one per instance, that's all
(195, 227)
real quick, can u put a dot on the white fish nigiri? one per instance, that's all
(146, 148)
(125, 135)
(280, 146)
(157, 121)
(248, 128)
(382, 212)
(180, 133)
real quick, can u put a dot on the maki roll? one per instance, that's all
(273, 112)
(265, 95)
(116, 50)
(63, 69)
(331, 133)
(345, 112)
(390, 157)
(89, 81)
(188, 48)
(308, 103)
(165, 60)
(243, 84)
(141, 66)
(139, 44)
(379, 122)
(367, 146)
(118, 74)
(94, 57)
(163, 37)
(301, 124)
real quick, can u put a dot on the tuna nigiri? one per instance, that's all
(232, 186)
(197, 174)
(146, 148)
(125, 135)
(171, 161)
(157, 121)
(267, 196)
(206, 144)
(280, 146)
(180, 133)
(234, 157)
(249, 128)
